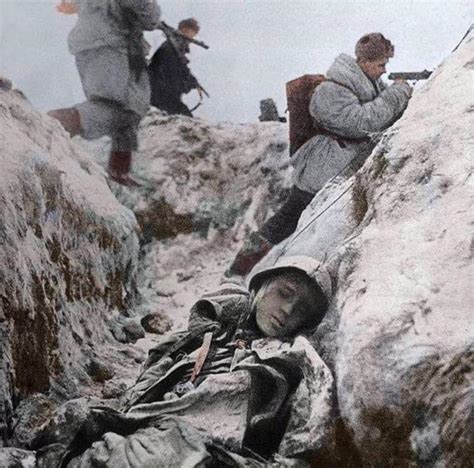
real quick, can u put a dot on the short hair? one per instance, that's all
(189, 23)
(373, 46)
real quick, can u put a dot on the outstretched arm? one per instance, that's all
(339, 110)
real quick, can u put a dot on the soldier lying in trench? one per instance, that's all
(242, 387)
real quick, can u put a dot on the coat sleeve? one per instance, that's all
(167, 68)
(147, 12)
(311, 414)
(339, 110)
(224, 306)
(189, 80)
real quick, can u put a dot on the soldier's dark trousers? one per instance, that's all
(283, 223)
(276, 229)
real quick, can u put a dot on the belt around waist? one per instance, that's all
(342, 139)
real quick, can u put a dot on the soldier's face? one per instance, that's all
(189, 32)
(374, 69)
(284, 305)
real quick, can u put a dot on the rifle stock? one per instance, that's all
(423, 75)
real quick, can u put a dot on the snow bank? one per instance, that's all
(406, 359)
(68, 256)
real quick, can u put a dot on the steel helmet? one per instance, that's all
(313, 268)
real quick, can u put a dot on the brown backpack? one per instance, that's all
(298, 94)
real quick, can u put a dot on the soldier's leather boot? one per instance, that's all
(254, 249)
(119, 167)
(69, 119)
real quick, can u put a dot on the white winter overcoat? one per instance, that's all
(350, 106)
(102, 40)
(101, 23)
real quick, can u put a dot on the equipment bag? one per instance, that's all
(298, 94)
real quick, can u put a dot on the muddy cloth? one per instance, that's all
(107, 42)
(348, 107)
(257, 401)
(283, 223)
(170, 78)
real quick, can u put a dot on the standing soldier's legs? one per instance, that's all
(280, 226)
(283, 223)
(117, 98)
(104, 85)
(124, 142)
(101, 117)
(90, 119)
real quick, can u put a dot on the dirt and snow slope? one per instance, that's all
(398, 335)
(68, 258)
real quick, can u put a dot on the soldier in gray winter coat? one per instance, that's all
(107, 42)
(347, 108)
(243, 387)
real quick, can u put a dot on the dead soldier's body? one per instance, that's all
(241, 387)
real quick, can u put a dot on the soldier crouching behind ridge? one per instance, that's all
(241, 387)
(350, 105)
(107, 42)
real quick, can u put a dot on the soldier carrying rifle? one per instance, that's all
(170, 76)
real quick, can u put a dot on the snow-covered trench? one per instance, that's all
(82, 265)
(398, 334)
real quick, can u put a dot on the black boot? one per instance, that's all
(254, 249)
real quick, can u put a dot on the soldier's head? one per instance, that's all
(373, 51)
(291, 297)
(189, 27)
